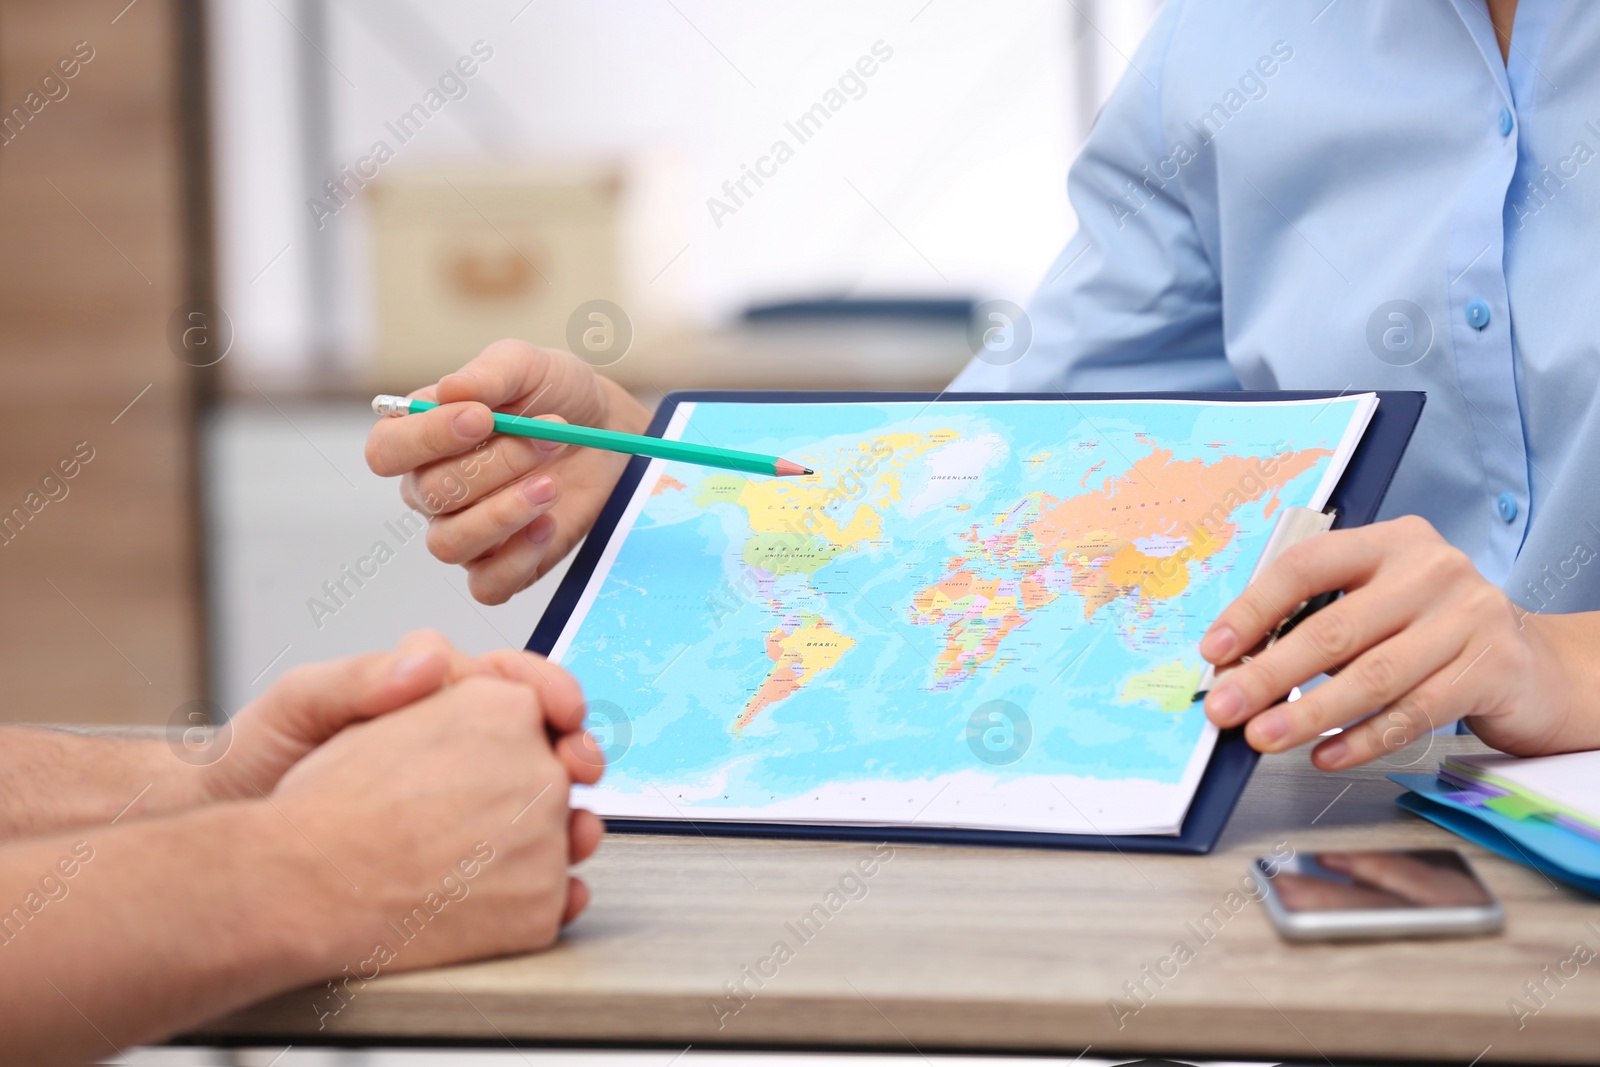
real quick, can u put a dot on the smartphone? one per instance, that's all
(1381, 893)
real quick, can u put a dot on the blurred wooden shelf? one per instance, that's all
(102, 619)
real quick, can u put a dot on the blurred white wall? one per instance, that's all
(945, 176)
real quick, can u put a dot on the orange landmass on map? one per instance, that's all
(1192, 501)
(667, 482)
(1094, 536)
(797, 656)
(1159, 497)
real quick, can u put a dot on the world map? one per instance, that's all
(1045, 569)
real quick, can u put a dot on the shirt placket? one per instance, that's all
(1479, 311)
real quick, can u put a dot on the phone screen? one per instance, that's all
(1379, 879)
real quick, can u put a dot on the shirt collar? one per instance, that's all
(1518, 77)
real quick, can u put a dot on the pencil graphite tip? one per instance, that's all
(786, 468)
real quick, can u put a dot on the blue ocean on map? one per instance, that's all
(1011, 588)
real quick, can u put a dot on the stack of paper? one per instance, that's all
(1542, 812)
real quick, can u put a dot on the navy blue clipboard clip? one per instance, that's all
(1356, 501)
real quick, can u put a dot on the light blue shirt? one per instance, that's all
(1351, 196)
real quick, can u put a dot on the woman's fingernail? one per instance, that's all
(408, 667)
(548, 446)
(1218, 643)
(1332, 753)
(472, 423)
(1271, 727)
(540, 532)
(539, 491)
(1224, 703)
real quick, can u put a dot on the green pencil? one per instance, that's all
(611, 441)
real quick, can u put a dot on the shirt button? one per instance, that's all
(1478, 314)
(1506, 505)
(1507, 123)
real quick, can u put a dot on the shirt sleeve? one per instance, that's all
(1133, 302)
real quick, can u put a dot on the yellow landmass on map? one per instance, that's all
(799, 524)
(1132, 569)
(798, 656)
(1170, 685)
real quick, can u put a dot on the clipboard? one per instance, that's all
(1355, 502)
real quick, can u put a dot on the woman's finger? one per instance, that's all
(1330, 638)
(511, 568)
(1375, 679)
(1341, 559)
(400, 445)
(460, 482)
(1402, 721)
(466, 535)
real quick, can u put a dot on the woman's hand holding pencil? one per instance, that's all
(506, 508)
(629, 444)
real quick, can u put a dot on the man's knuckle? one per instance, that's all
(479, 687)
(547, 924)
(555, 771)
(426, 637)
(497, 696)
(516, 698)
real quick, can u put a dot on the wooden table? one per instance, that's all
(1007, 949)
